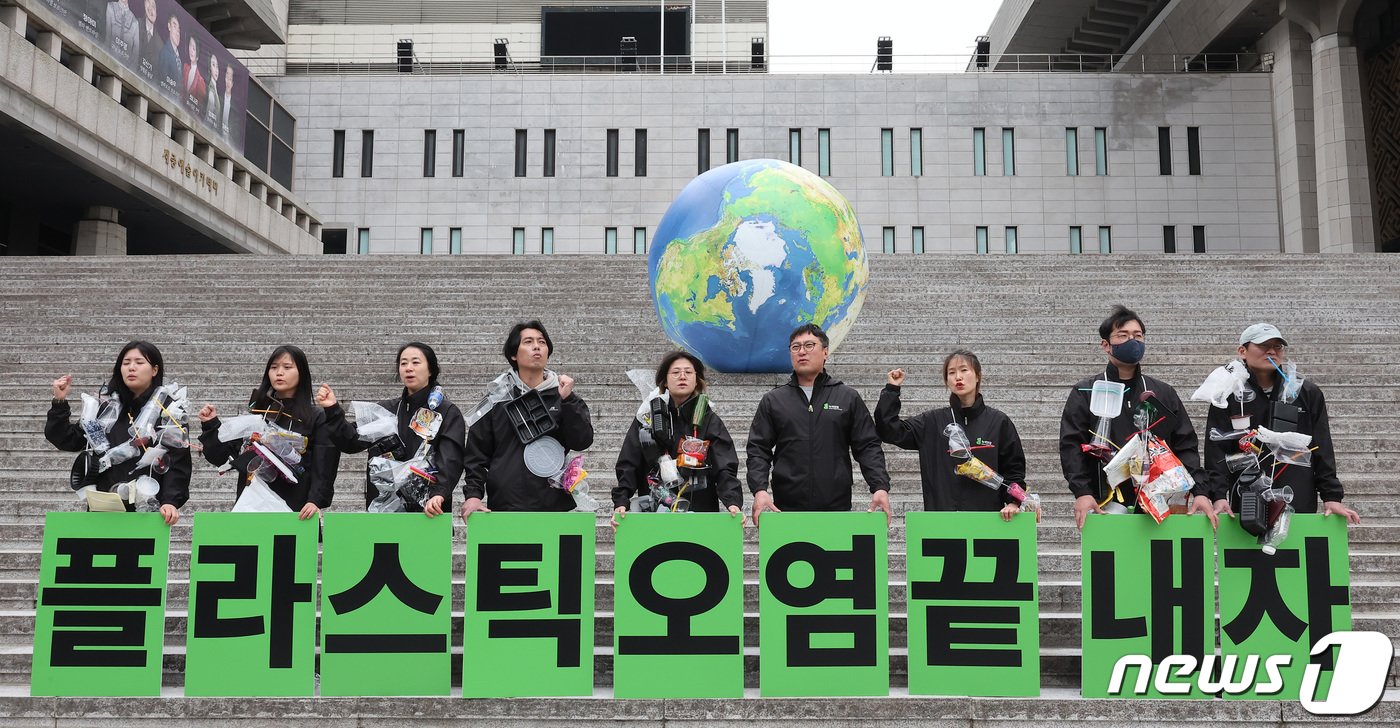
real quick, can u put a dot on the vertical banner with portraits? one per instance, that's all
(161, 42)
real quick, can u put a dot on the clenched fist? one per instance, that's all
(566, 386)
(325, 396)
(61, 386)
(896, 377)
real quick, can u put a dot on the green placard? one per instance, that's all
(251, 629)
(678, 606)
(974, 610)
(99, 626)
(386, 604)
(528, 629)
(1284, 603)
(1147, 592)
(823, 605)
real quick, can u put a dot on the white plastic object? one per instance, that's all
(1106, 398)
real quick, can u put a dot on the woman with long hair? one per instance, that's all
(422, 459)
(283, 399)
(137, 375)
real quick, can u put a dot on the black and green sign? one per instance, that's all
(678, 605)
(252, 619)
(99, 627)
(973, 610)
(528, 629)
(823, 605)
(1280, 605)
(1147, 596)
(386, 596)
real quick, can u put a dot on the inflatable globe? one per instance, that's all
(748, 252)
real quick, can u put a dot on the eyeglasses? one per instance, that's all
(1123, 336)
(1274, 346)
(802, 346)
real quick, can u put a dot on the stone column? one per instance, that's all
(1291, 79)
(1344, 221)
(99, 232)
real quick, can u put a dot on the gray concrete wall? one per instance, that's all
(1235, 197)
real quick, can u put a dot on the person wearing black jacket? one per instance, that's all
(804, 433)
(992, 435)
(1123, 340)
(420, 404)
(138, 372)
(681, 379)
(496, 471)
(1261, 346)
(284, 400)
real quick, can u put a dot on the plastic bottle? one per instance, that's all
(1278, 533)
(435, 398)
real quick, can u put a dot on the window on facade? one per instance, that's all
(610, 241)
(1193, 149)
(731, 146)
(1164, 149)
(362, 245)
(916, 153)
(888, 235)
(639, 241)
(918, 235)
(639, 154)
(1011, 240)
(1169, 238)
(459, 152)
(547, 241)
(795, 146)
(429, 152)
(612, 153)
(1105, 240)
(979, 152)
(549, 149)
(702, 151)
(1072, 152)
(366, 153)
(522, 137)
(981, 240)
(338, 153)
(887, 152)
(1076, 240)
(824, 152)
(1008, 152)
(425, 241)
(1198, 238)
(1101, 151)
(454, 241)
(517, 241)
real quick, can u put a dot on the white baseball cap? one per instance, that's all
(1260, 333)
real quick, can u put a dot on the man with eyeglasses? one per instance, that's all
(1264, 353)
(1123, 339)
(804, 435)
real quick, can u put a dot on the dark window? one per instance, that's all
(333, 240)
(1198, 238)
(1169, 238)
(612, 153)
(429, 153)
(639, 154)
(702, 151)
(549, 154)
(338, 153)
(731, 146)
(459, 152)
(366, 153)
(1164, 149)
(1193, 149)
(521, 137)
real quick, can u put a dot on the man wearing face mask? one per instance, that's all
(1304, 409)
(1123, 339)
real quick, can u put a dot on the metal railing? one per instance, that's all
(424, 62)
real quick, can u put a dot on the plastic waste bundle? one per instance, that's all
(258, 497)
(98, 415)
(973, 468)
(160, 423)
(1226, 380)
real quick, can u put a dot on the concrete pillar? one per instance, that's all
(185, 138)
(274, 201)
(15, 18)
(314, 228)
(99, 232)
(138, 105)
(164, 122)
(1291, 80)
(81, 66)
(242, 178)
(1345, 222)
(289, 211)
(205, 152)
(112, 86)
(224, 166)
(258, 190)
(51, 44)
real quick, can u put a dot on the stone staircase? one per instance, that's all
(1033, 321)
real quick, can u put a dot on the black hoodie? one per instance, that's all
(803, 449)
(993, 438)
(67, 435)
(447, 447)
(722, 462)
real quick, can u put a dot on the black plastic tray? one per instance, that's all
(530, 416)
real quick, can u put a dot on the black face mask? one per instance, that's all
(1128, 352)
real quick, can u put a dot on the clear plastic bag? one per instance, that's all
(241, 427)
(1221, 383)
(119, 454)
(958, 445)
(383, 477)
(258, 497)
(1285, 440)
(98, 416)
(373, 422)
